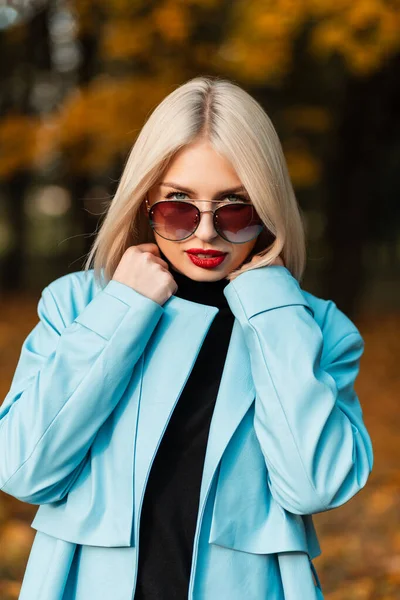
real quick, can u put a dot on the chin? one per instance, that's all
(199, 274)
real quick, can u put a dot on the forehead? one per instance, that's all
(201, 168)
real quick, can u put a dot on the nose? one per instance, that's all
(206, 231)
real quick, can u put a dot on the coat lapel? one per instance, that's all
(168, 361)
(235, 395)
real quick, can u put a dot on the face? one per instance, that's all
(207, 174)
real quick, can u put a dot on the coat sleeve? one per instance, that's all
(67, 381)
(308, 418)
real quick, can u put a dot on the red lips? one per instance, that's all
(209, 252)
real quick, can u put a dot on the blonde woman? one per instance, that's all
(183, 407)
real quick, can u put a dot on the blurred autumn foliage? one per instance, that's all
(140, 49)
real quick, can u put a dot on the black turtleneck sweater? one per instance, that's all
(171, 501)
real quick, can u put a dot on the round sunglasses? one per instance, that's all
(176, 220)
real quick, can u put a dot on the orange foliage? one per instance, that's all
(123, 39)
(97, 124)
(104, 119)
(365, 33)
(17, 142)
(304, 168)
(171, 19)
(258, 45)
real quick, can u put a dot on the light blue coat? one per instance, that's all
(94, 388)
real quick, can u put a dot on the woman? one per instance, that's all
(179, 416)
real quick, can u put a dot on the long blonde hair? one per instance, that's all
(238, 128)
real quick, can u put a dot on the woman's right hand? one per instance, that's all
(142, 268)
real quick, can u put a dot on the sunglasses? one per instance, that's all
(176, 220)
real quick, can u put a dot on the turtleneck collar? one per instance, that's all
(203, 292)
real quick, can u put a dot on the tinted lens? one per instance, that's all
(238, 223)
(174, 220)
(177, 220)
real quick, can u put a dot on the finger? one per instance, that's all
(161, 262)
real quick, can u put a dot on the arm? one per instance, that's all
(308, 418)
(67, 382)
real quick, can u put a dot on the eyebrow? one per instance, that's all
(234, 190)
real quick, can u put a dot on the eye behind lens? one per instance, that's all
(176, 220)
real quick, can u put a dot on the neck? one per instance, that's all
(204, 292)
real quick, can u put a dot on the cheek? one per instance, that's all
(240, 252)
(170, 250)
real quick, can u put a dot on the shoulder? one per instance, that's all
(328, 315)
(335, 325)
(65, 297)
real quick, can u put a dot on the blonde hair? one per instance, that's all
(238, 128)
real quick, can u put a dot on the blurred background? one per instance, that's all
(77, 80)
